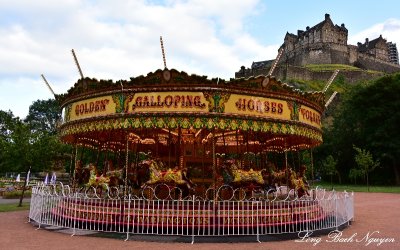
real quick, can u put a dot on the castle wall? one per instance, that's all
(353, 54)
(334, 53)
(318, 53)
(300, 73)
(292, 72)
(339, 54)
(366, 62)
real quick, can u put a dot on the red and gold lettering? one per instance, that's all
(91, 107)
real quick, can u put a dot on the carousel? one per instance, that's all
(176, 154)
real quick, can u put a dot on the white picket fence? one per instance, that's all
(273, 212)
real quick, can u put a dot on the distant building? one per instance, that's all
(326, 43)
(393, 54)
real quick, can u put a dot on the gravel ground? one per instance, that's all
(377, 217)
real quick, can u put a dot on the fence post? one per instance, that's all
(129, 216)
(258, 223)
(193, 220)
(41, 209)
(336, 210)
(75, 209)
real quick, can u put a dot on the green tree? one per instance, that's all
(368, 117)
(42, 119)
(15, 143)
(329, 167)
(43, 116)
(20, 147)
(32, 141)
(365, 162)
(7, 121)
(354, 174)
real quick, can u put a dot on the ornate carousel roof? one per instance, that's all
(166, 100)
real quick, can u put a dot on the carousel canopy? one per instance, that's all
(171, 104)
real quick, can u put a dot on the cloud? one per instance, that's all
(390, 30)
(120, 39)
(17, 94)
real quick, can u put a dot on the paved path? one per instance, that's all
(377, 216)
(13, 201)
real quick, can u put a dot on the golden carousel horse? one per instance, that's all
(96, 180)
(159, 174)
(234, 175)
(292, 179)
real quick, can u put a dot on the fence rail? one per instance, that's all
(273, 212)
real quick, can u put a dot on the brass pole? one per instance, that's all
(214, 166)
(76, 159)
(312, 167)
(70, 168)
(169, 147)
(286, 166)
(126, 165)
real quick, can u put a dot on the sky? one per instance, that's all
(120, 39)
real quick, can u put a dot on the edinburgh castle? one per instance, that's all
(326, 43)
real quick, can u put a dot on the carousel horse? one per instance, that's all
(115, 176)
(82, 174)
(173, 177)
(95, 180)
(292, 179)
(279, 177)
(299, 182)
(138, 175)
(237, 177)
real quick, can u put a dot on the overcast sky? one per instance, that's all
(120, 39)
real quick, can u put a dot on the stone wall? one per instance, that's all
(318, 53)
(294, 72)
(350, 76)
(366, 62)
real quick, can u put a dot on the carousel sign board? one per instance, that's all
(257, 106)
(99, 106)
(168, 102)
(309, 116)
(193, 102)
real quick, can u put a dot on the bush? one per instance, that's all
(16, 194)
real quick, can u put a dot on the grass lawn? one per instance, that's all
(359, 188)
(330, 67)
(14, 207)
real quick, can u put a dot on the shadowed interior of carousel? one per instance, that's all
(191, 160)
